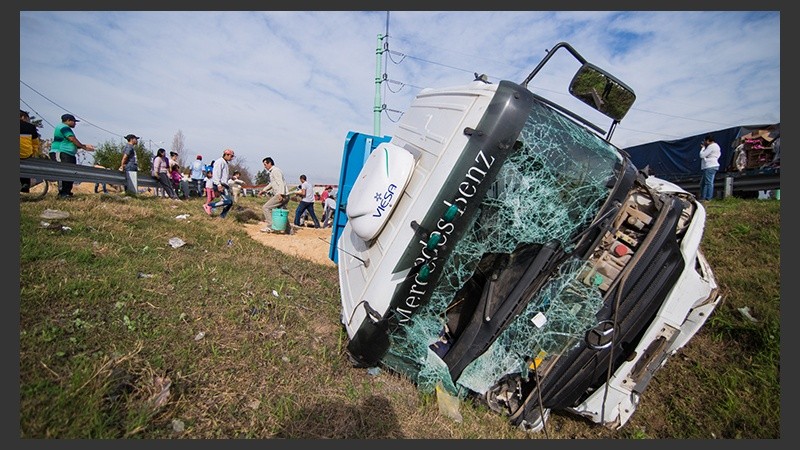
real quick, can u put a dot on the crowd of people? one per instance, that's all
(220, 186)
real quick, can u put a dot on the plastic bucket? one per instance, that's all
(279, 219)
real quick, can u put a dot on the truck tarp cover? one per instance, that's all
(680, 158)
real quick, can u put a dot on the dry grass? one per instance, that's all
(124, 336)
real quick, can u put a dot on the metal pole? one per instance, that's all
(728, 187)
(378, 78)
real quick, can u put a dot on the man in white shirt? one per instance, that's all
(280, 192)
(219, 177)
(306, 192)
(330, 209)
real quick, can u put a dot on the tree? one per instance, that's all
(262, 177)
(241, 166)
(109, 154)
(178, 146)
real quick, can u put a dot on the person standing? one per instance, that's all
(709, 165)
(209, 187)
(66, 146)
(161, 172)
(280, 192)
(129, 162)
(198, 175)
(28, 144)
(306, 192)
(220, 176)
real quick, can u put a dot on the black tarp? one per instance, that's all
(679, 159)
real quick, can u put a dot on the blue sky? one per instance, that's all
(291, 85)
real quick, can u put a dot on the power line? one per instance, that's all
(403, 56)
(680, 117)
(84, 120)
(36, 112)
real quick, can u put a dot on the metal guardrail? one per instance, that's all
(731, 184)
(47, 169)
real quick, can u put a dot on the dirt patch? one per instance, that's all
(308, 243)
(312, 244)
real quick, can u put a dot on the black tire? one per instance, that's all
(38, 191)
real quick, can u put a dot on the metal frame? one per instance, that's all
(47, 169)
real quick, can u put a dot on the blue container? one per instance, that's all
(279, 219)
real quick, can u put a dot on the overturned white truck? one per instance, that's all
(501, 247)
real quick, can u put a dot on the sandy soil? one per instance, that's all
(308, 243)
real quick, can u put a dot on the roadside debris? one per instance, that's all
(54, 214)
(176, 242)
(177, 425)
(448, 404)
(162, 385)
(746, 313)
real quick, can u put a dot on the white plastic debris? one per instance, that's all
(539, 320)
(182, 216)
(746, 313)
(274, 292)
(176, 242)
(200, 335)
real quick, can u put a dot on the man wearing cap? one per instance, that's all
(219, 177)
(65, 147)
(130, 163)
(198, 175)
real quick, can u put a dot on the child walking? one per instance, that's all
(209, 188)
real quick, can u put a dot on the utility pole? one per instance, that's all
(378, 108)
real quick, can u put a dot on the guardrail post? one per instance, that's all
(131, 184)
(728, 187)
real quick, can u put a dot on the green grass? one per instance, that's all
(110, 312)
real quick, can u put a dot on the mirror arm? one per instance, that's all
(611, 130)
(550, 52)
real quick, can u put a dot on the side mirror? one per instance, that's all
(602, 91)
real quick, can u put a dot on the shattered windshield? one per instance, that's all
(549, 189)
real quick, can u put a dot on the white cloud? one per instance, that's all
(292, 84)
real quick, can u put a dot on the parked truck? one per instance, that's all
(499, 247)
(750, 160)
